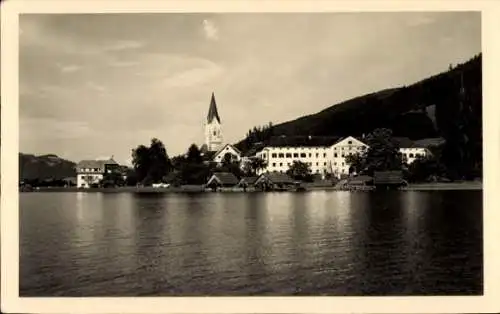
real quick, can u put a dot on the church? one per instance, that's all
(214, 147)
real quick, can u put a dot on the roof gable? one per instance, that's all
(225, 178)
(345, 141)
(275, 177)
(230, 149)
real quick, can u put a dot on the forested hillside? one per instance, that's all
(447, 105)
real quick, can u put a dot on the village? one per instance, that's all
(285, 163)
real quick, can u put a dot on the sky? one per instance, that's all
(99, 85)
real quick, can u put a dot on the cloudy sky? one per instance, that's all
(99, 85)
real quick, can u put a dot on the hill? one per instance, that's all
(447, 105)
(44, 167)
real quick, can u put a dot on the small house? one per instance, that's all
(388, 179)
(274, 181)
(222, 180)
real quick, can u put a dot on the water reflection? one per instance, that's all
(338, 243)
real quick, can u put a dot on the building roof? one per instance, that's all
(96, 163)
(224, 147)
(388, 177)
(212, 111)
(248, 180)
(276, 177)
(359, 180)
(405, 142)
(302, 141)
(225, 178)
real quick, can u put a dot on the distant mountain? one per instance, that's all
(45, 167)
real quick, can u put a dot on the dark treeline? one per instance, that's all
(153, 165)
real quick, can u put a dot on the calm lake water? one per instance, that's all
(313, 243)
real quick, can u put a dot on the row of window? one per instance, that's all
(308, 163)
(295, 155)
(90, 169)
(411, 155)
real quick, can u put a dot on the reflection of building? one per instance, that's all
(89, 172)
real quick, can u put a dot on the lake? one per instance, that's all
(226, 244)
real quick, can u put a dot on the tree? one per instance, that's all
(151, 163)
(194, 154)
(300, 171)
(424, 169)
(382, 154)
(252, 167)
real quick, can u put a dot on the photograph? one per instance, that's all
(249, 154)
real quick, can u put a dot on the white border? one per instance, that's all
(10, 300)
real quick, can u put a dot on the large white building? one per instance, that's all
(323, 155)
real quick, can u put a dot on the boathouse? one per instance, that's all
(222, 180)
(388, 179)
(274, 181)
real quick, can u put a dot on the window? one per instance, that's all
(273, 155)
(342, 148)
(302, 155)
(281, 164)
(288, 155)
(281, 155)
(343, 164)
(324, 155)
(274, 164)
(317, 155)
(309, 163)
(335, 148)
(288, 164)
(334, 163)
(342, 155)
(295, 155)
(317, 163)
(310, 154)
(335, 155)
(411, 155)
(349, 142)
(215, 133)
(350, 147)
(227, 148)
(324, 164)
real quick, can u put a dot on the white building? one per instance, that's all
(411, 150)
(90, 172)
(324, 156)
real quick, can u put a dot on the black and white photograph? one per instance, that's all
(248, 154)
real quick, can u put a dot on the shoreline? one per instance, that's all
(471, 185)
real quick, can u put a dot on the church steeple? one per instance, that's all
(212, 111)
(213, 127)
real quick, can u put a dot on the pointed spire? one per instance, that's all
(212, 111)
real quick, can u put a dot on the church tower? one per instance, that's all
(213, 127)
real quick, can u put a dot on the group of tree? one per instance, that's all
(257, 134)
(152, 165)
(383, 155)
